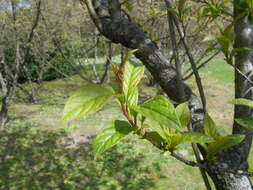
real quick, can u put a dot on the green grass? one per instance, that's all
(219, 70)
(170, 174)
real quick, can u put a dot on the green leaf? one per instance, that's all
(173, 11)
(209, 38)
(231, 36)
(236, 50)
(189, 137)
(111, 135)
(181, 7)
(131, 77)
(221, 143)
(250, 4)
(246, 122)
(159, 109)
(163, 131)
(183, 114)
(224, 42)
(86, 100)
(128, 55)
(210, 49)
(133, 97)
(227, 31)
(243, 102)
(209, 126)
(220, 26)
(210, 11)
(155, 137)
(195, 137)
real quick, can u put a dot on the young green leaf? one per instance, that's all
(155, 137)
(190, 137)
(162, 130)
(228, 30)
(243, 102)
(246, 122)
(236, 50)
(209, 126)
(224, 42)
(111, 135)
(250, 4)
(210, 49)
(133, 97)
(181, 5)
(195, 137)
(159, 109)
(183, 114)
(181, 8)
(172, 11)
(128, 55)
(220, 26)
(131, 77)
(209, 38)
(221, 143)
(86, 100)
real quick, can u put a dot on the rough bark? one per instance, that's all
(5, 106)
(7, 89)
(236, 157)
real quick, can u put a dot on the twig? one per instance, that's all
(176, 58)
(202, 65)
(214, 169)
(191, 59)
(188, 162)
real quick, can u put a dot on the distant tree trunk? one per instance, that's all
(109, 51)
(5, 105)
(32, 93)
(95, 56)
(7, 86)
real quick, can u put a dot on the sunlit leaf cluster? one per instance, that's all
(157, 120)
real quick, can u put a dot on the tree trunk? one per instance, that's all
(236, 157)
(32, 94)
(94, 69)
(7, 89)
(5, 108)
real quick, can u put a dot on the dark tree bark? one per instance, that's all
(8, 83)
(7, 90)
(129, 34)
(236, 157)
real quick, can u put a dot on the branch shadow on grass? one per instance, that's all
(38, 159)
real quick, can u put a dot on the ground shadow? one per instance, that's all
(36, 159)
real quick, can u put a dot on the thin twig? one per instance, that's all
(214, 169)
(191, 59)
(202, 64)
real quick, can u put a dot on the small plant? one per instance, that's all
(156, 120)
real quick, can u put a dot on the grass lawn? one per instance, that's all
(218, 84)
